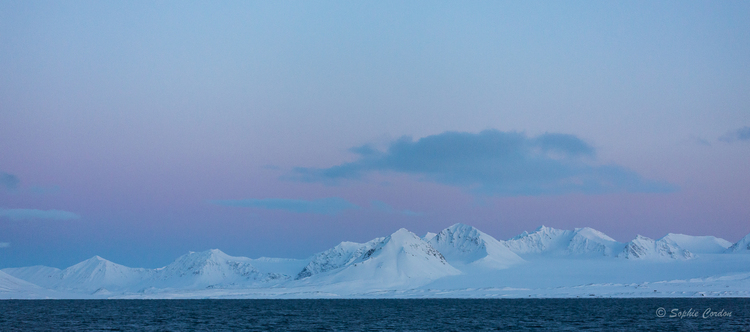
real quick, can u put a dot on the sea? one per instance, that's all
(591, 314)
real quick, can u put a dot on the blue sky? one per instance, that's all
(139, 131)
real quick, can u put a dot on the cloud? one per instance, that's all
(384, 207)
(9, 181)
(699, 140)
(330, 205)
(742, 134)
(24, 214)
(492, 163)
(4, 244)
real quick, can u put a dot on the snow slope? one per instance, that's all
(43, 276)
(463, 245)
(15, 288)
(285, 266)
(742, 246)
(697, 244)
(646, 248)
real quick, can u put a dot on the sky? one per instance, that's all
(141, 130)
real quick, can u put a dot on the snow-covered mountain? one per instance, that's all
(40, 275)
(646, 248)
(403, 263)
(581, 241)
(742, 246)
(398, 260)
(97, 272)
(14, 288)
(211, 268)
(463, 245)
(344, 254)
(697, 244)
(91, 275)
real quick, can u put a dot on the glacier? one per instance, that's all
(459, 261)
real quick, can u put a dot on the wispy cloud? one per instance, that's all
(742, 134)
(492, 163)
(9, 181)
(25, 214)
(4, 244)
(699, 140)
(330, 205)
(384, 207)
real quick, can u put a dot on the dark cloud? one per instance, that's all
(492, 163)
(330, 205)
(9, 181)
(742, 134)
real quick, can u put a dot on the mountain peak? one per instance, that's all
(95, 259)
(402, 231)
(464, 244)
(592, 233)
(459, 225)
(404, 234)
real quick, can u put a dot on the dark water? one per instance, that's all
(373, 315)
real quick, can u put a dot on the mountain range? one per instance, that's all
(458, 257)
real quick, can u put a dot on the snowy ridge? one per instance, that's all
(581, 241)
(458, 261)
(742, 246)
(211, 268)
(645, 248)
(541, 240)
(462, 245)
(344, 254)
(697, 244)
